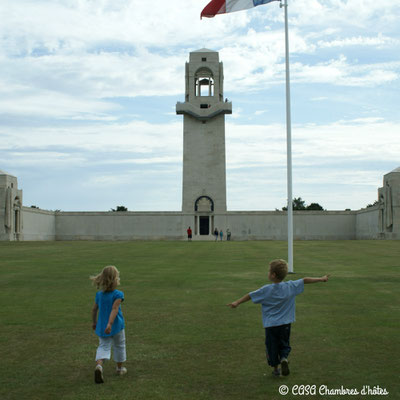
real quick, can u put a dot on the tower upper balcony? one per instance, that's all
(204, 97)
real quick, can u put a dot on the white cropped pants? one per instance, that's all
(117, 342)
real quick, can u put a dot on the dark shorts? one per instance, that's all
(277, 343)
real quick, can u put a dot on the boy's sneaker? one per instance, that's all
(98, 374)
(285, 367)
(121, 371)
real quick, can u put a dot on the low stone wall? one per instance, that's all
(118, 226)
(307, 225)
(369, 225)
(38, 224)
(244, 225)
(3, 232)
(324, 225)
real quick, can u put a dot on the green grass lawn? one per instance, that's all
(182, 340)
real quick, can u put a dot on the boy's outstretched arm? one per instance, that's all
(240, 301)
(315, 280)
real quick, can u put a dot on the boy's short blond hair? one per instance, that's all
(279, 268)
(107, 280)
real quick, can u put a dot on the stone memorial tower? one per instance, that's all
(204, 109)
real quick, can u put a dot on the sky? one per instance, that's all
(88, 90)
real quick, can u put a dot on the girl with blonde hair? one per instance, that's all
(109, 325)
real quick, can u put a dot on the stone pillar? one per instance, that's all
(11, 224)
(389, 205)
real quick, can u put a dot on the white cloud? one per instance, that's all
(355, 13)
(343, 142)
(108, 49)
(378, 41)
(340, 72)
(45, 103)
(94, 145)
(247, 145)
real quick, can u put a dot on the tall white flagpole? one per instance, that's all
(288, 144)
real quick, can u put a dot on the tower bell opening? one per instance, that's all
(204, 82)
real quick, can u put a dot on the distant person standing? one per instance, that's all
(189, 234)
(216, 234)
(221, 234)
(228, 234)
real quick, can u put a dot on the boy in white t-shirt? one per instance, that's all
(278, 312)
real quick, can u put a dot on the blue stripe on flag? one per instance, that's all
(259, 2)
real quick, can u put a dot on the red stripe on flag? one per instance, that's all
(213, 8)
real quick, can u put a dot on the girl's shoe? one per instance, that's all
(276, 372)
(285, 367)
(98, 374)
(121, 371)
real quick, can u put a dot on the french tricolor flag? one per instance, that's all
(215, 7)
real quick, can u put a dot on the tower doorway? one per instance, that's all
(204, 225)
